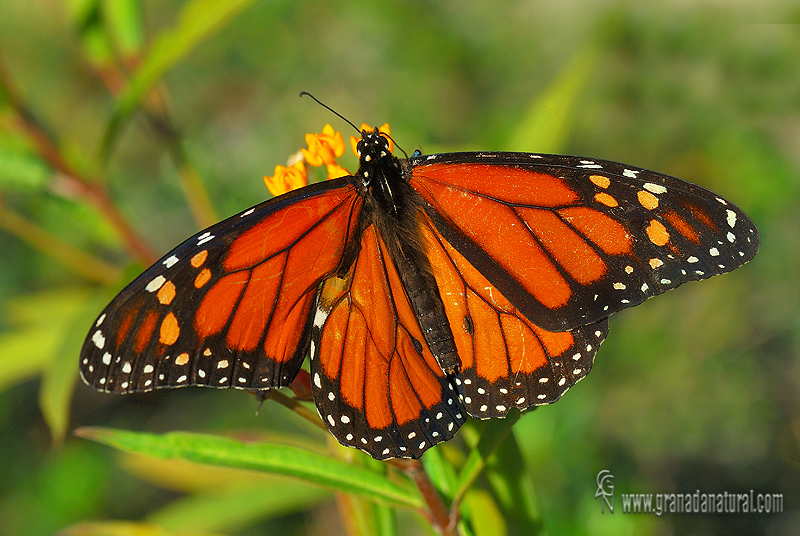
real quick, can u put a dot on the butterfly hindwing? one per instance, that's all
(506, 359)
(230, 306)
(575, 240)
(375, 382)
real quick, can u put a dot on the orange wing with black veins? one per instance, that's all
(231, 306)
(570, 241)
(375, 382)
(506, 360)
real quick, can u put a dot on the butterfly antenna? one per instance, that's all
(346, 120)
(395, 144)
(343, 118)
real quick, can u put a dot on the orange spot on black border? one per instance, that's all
(198, 260)
(166, 293)
(657, 233)
(170, 330)
(202, 278)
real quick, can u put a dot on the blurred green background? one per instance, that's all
(697, 389)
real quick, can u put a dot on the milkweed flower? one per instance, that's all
(335, 171)
(287, 179)
(323, 148)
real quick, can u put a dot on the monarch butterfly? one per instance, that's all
(424, 289)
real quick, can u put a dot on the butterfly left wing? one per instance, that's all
(570, 241)
(376, 384)
(230, 307)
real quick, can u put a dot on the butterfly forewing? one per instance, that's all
(573, 240)
(230, 306)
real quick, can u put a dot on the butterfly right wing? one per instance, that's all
(507, 360)
(570, 240)
(230, 306)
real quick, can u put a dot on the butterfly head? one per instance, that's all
(379, 169)
(373, 149)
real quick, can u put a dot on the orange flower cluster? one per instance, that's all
(323, 148)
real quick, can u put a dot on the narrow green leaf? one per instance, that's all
(197, 21)
(126, 528)
(490, 522)
(360, 516)
(271, 458)
(85, 16)
(444, 477)
(124, 21)
(441, 473)
(21, 171)
(513, 489)
(40, 320)
(81, 11)
(236, 507)
(548, 121)
(46, 306)
(493, 432)
(384, 519)
(24, 352)
(61, 372)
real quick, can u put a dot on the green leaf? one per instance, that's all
(85, 16)
(363, 517)
(61, 372)
(384, 520)
(21, 171)
(513, 489)
(548, 121)
(124, 20)
(46, 306)
(271, 458)
(492, 433)
(441, 473)
(490, 522)
(40, 321)
(197, 21)
(125, 528)
(24, 352)
(495, 454)
(236, 507)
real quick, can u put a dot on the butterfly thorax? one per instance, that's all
(380, 171)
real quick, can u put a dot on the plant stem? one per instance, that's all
(68, 179)
(197, 197)
(438, 514)
(479, 457)
(76, 260)
(155, 108)
(297, 407)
